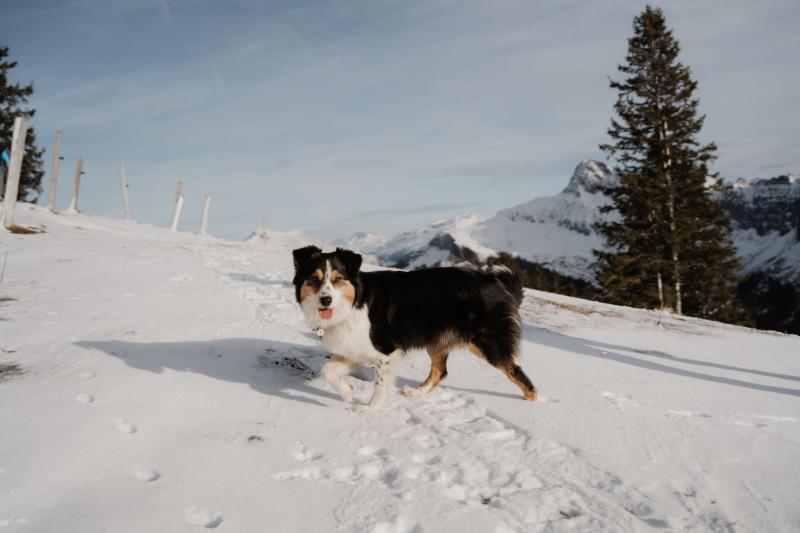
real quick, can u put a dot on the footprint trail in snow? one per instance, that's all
(445, 450)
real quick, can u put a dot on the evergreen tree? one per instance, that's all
(671, 246)
(13, 98)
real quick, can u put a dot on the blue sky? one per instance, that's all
(333, 117)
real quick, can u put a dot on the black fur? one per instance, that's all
(430, 307)
(409, 310)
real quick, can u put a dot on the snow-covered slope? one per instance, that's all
(556, 231)
(444, 241)
(161, 381)
(766, 224)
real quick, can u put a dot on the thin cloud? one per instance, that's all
(167, 12)
(332, 118)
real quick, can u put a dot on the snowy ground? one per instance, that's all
(160, 381)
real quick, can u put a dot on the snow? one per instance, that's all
(556, 231)
(765, 228)
(208, 411)
(559, 231)
(463, 230)
(414, 249)
(771, 252)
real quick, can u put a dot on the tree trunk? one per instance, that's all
(658, 271)
(662, 133)
(678, 304)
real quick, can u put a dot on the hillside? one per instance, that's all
(766, 224)
(554, 231)
(162, 381)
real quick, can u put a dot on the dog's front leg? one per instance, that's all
(334, 372)
(384, 381)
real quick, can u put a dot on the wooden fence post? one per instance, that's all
(14, 169)
(51, 192)
(176, 218)
(125, 207)
(204, 225)
(76, 186)
(178, 191)
(178, 195)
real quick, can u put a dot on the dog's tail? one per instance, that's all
(510, 280)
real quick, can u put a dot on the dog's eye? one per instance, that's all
(340, 280)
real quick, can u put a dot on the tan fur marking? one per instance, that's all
(343, 286)
(438, 370)
(509, 370)
(477, 351)
(308, 288)
(447, 342)
(350, 364)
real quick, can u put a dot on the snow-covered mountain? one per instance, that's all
(766, 224)
(441, 242)
(557, 231)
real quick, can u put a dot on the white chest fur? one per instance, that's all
(350, 338)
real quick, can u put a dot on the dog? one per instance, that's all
(374, 318)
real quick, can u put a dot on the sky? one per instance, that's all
(377, 116)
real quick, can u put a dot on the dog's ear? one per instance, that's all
(351, 260)
(303, 255)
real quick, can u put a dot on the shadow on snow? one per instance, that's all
(653, 360)
(236, 360)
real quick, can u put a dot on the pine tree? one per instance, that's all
(671, 246)
(13, 98)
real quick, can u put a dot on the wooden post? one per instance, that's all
(125, 208)
(51, 192)
(177, 216)
(204, 225)
(178, 196)
(178, 191)
(14, 169)
(76, 186)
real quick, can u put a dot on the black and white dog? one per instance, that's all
(373, 318)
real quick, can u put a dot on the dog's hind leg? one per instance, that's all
(334, 372)
(501, 357)
(438, 373)
(517, 376)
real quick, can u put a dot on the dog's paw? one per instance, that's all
(346, 392)
(362, 408)
(410, 391)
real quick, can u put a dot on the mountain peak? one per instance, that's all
(589, 176)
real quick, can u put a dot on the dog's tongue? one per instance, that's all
(326, 314)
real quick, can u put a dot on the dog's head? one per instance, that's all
(326, 284)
